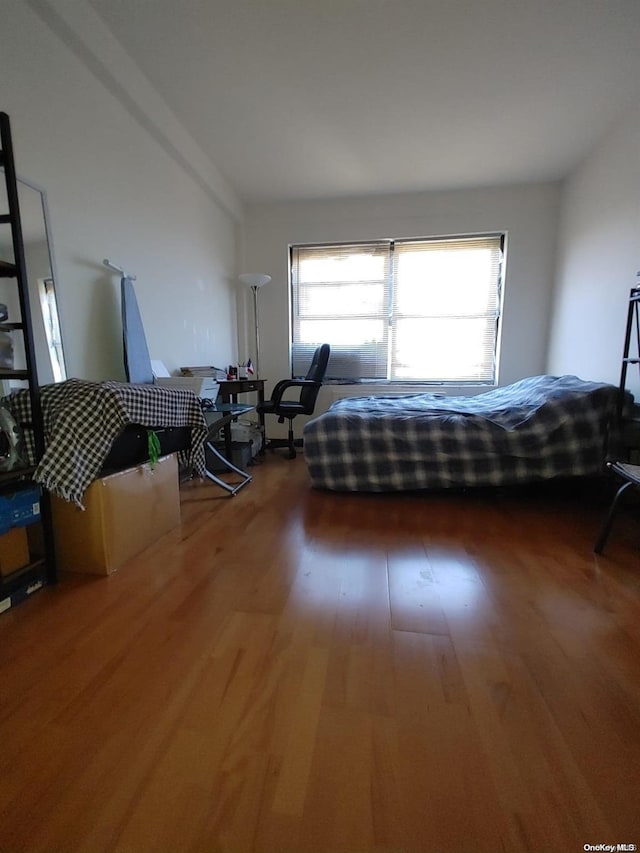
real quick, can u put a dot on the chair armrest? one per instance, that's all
(284, 384)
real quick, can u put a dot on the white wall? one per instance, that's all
(599, 257)
(116, 191)
(529, 215)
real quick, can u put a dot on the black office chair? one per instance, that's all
(304, 405)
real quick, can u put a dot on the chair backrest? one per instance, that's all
(315, 374)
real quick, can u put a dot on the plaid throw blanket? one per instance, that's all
(536, 429)
(82, 419)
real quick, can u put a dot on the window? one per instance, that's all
(400, 311)
(49, 308)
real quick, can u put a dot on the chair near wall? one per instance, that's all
(631, 476)
(306, 402)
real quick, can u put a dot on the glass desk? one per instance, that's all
(218, 418)
(229, 391)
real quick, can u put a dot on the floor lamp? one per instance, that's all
(255, 280)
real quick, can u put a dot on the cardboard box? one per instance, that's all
(14, 550)
(124, 513)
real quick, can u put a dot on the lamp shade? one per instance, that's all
(254, 279)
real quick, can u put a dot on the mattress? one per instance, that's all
(538, 428)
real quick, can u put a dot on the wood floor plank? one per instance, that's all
(441, 759)
(415, 602)
(293, 670)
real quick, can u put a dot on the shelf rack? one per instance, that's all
(41, 568)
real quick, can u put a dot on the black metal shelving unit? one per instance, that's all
(628, 418)
(633, 325)
(41, 568)
(626, 456)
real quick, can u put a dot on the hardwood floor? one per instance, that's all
(301, 671)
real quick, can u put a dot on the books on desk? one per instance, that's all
(202, 386)
(218, 373)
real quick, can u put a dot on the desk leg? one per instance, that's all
(232, 488)
(261, 419)
(226, 429)
(228, 448)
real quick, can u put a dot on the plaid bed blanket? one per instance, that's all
(82, 419)
(535, 429)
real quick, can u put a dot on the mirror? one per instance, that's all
(38, 252)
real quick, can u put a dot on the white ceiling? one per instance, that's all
(295, 99)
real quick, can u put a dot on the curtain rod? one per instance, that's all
(116, 268)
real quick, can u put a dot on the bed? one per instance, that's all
(538, 428)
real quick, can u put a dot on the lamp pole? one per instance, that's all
(255, 280)
(255, 288)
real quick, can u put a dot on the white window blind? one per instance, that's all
(340, 296)
(446, 300)
(401, 310)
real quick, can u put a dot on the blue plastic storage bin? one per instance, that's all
(19, 509)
